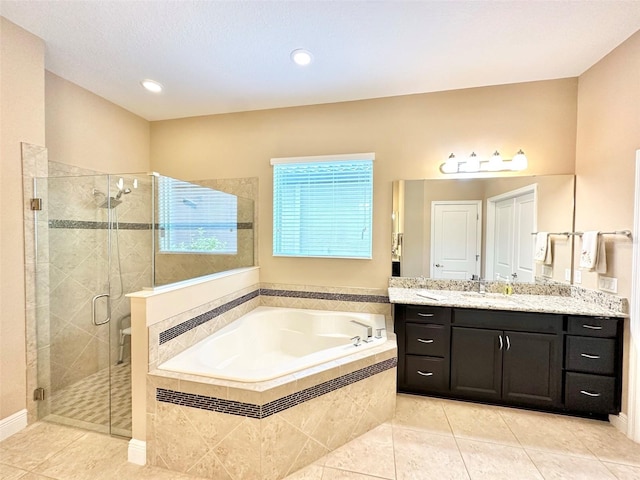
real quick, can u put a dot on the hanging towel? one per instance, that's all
(592, 254)
(543, 248)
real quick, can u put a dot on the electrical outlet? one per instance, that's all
(577, 276)
(547, 271)
(567, 274)
(608, 284)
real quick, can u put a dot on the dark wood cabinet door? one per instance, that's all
(476, 363)
(532, 368)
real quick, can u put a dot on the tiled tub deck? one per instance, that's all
(267, 430)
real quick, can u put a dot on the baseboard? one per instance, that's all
(619, 421)
(137, 452)
(13, 424)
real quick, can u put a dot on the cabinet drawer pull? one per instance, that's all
(425, 374)
(425, 314)
(589, 394)
(422, 340)
(592, 327)
(586, 355)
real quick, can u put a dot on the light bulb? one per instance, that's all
(152, 86)
(519, 161)
(301, 57)
(473, 163)
(450, 166)
(495, 162)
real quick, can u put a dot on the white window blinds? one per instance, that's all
(196, 219)
(322, 207)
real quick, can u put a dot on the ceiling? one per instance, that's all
(230, 56)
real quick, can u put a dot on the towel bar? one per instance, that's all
(626, 233)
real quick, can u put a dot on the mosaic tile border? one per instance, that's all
(92, 225)
(259, 412)
(195, 322)
(192, 323)
(340, 297)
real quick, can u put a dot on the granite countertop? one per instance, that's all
(497, 301)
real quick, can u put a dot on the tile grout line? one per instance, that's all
(455, 439)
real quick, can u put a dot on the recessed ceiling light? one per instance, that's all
(152, 86)
(301, 57)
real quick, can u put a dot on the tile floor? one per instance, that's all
(87, 404)
(428, 439)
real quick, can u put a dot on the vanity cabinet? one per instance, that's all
(547, 361)
(518, 360)
(593, 358)
(424, 342)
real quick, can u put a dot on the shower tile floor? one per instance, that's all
(85, 404)
(428, 439)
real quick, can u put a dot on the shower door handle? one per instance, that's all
(93, 309)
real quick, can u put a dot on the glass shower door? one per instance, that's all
(74, 313)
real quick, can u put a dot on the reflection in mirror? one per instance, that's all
(455, 229)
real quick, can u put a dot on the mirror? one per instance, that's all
(453, 229)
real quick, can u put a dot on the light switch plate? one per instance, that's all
(577, 276)
(567, 274)
(547, 271)
(608, 284)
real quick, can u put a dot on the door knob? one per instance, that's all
(438, 265)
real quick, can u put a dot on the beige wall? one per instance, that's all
(608, 135)
(21, 120)
(411, 135)
(87, 131)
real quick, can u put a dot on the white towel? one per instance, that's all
(592, 255)
(542, 251)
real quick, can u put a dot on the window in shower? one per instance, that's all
(196, 219)
(322, 206)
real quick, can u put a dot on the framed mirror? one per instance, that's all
(484, 227)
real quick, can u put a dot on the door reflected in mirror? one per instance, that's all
(484, 227)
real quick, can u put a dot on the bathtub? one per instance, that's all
(269, 342)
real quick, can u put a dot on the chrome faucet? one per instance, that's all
(481, 283)
(369, 330)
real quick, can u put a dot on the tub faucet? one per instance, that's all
(369, 331)
(356, 340)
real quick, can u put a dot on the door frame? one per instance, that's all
(491, 221)
(478, 203)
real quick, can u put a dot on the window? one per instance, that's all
(196, 219)
(322, 206)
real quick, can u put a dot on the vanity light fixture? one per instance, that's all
(151, 85)
(474, 164)
(301, 57)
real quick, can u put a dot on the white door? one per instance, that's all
(509, 240)
(455, 239)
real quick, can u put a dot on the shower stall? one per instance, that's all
(99, 237)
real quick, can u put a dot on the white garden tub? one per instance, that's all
(270, 342)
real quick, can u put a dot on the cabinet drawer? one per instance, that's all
(593, 326)
(426, 373)
(592, 355)
(590, 393)
(427, 339)
(426, 313)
